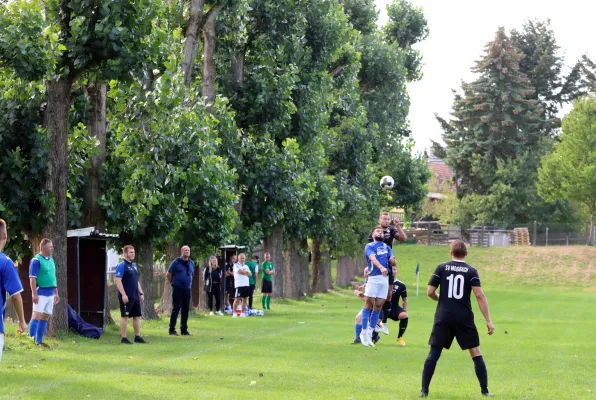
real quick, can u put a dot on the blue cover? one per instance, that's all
(77, 324)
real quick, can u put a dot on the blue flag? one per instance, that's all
(417, 269)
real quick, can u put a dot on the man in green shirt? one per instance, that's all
(267, 285)
(253, 265)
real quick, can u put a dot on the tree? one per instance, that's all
(61, 41)
(543, 65)
(570, 171)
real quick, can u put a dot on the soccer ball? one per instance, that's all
(387, 182)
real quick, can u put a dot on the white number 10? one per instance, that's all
(456, 286)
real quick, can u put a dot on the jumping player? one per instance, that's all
(454, 317)
(390, 232)
(378, 256)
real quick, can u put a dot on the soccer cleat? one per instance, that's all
(357, 341)
(173, 333)
(487, 394)
(44, 345)
(185, 333)
(219, 313)
(211, 313)
(375, 339)
(139, 339)
(423, 394)
(385, 329)
(125, 341)
(401, 341)
(363, 339)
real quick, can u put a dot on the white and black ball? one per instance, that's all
(387, 182)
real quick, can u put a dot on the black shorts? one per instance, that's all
(130, 309)
(395, 311)
(242, 292)
(465, 331)
(267, 286)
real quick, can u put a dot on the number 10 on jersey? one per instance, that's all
(456, 286)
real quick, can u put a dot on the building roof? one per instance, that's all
(440, 170)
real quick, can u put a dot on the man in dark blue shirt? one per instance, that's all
(130, 295)
(180, 276)
(9, 282)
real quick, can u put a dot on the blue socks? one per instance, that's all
(374, 318)
(358, 329)
(365, 317)
(33, 327)
(41, 330)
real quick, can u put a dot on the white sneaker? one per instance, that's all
(234, 315)
(385, 329)
(242, 315)
(211, 313)
(219, 313)
(369, 335)
(363, 339)
(378, 329)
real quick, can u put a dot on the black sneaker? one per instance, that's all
(356, 341)
(44, 345)
(423, 394)
(376, 337)
(185, 333)
(487, 394)
(139, 339)
(125, 341)
(173, 333)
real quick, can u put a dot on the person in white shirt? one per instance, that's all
(241, 283)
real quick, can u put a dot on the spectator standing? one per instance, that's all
(212, 276)
(180, 276)
(253, 266)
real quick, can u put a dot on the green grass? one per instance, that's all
(302, 348)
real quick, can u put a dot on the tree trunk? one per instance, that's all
(346, 270)
(191, 44)
(321, 267)
(273, 244)
(93, 214)
(165, 305)
(108, 316)
(209, 60)
(56, 121)
(144, 255)
(237, 71)
(293, 265)
(203, 304)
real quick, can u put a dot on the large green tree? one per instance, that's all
(59, 42)
(570, 171)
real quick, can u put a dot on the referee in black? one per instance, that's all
(390, 232)
(454, 317)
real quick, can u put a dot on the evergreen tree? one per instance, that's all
(495, 118)
(543, 65)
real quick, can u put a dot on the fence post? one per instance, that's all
(534, 235)
(482, 238)
(547, 236)
(429, 233)
(567, 238)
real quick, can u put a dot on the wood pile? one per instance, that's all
(520, 237)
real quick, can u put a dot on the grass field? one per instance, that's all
(542, 300)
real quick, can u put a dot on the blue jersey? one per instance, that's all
(9, 282)
(33, 272)
(382, 252)
(182, 273)
(130, 279)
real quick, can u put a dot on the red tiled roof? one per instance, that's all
(439, 169)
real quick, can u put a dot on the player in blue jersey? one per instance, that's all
(130, 295)
(378, 257)
(9, 282)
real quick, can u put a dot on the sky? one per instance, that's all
(459, 30)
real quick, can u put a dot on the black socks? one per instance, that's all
(429, 366)
(403, 324)
(481, 373)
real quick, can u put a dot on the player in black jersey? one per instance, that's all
(396, 312)
(390, 232)
(454, 317)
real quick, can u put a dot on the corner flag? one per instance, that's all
(417, 277)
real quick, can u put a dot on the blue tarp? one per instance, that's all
(77, 324)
